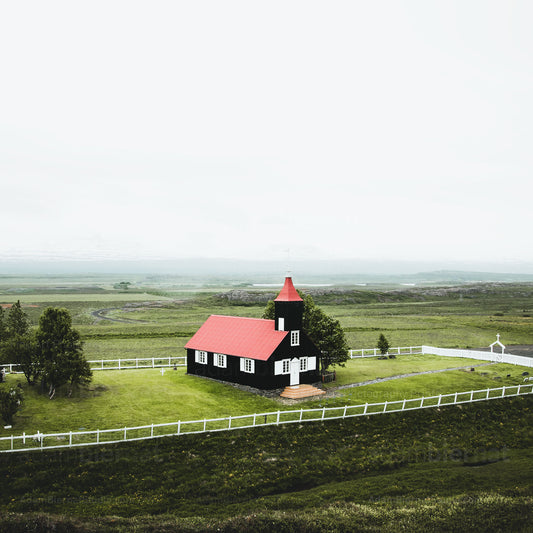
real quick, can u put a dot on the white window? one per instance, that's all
(200, 357)
(303, 364)
(220, 360)
(282, 367)
(295, 338)
(281, 324)
(248, 365)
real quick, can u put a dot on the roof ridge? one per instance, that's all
(243, 317)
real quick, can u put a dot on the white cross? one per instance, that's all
(162, 371)
(498, 337)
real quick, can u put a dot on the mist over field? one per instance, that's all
(317, 271)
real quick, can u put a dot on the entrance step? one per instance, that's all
(295, 392)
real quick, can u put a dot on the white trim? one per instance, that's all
(295, 372)
(200, 357)
(303, 364)
(247, 365)
(295, 338)
(282, 367)
(281, 324)
(220, 360)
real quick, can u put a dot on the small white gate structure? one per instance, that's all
(498, 343)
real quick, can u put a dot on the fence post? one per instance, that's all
(205, 422)
(179, 426)
(277, 420)
(488, 393)
(385, 406)
(119, 364)
(70, 439)
(102, 364)
(255, 414)
(403, 405)
(344, 414)
(422, 402)
(153, 363)
(229, 422)
(366, 407)
(455, 399)
(323, 412)
(440, 398)
(97, 436)
(301, 413)
(503, 391)
(152, 430)
(12, 441)
(125, 437)
(24, 438)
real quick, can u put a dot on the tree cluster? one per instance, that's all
(51, 356)
(325, 332)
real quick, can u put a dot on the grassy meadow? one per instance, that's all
(450, 469)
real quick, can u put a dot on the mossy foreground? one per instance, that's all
(463, 468)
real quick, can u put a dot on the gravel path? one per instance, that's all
(99, 314)
(399, 376)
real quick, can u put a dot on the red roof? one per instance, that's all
(288, 293)
(254, 338)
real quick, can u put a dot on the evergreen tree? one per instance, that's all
(60, 351)
(3, 331)
(383, 344)
(18, 346)
(17, 322)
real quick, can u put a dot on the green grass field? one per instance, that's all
(131, 398)
(466, 468)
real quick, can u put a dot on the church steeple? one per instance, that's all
(289, 308)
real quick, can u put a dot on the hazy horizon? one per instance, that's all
(349, 131)
(205, 267)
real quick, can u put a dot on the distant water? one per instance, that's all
(299, 284)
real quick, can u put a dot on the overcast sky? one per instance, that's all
(241, 129)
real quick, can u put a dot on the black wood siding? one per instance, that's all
(263, 377)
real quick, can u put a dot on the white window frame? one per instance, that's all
(295, 337)
(286, 366)
(281, 324)
(247, 365)
(200, 357)
(303, 364)
(220, 360)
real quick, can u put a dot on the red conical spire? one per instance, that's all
(288, 293)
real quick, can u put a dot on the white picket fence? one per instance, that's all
(41, 441)
(122, 364)
(484, 356)
(179, 361)
(374, 352)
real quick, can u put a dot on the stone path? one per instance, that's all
(399, 376)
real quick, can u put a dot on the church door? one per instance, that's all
(295, 371)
